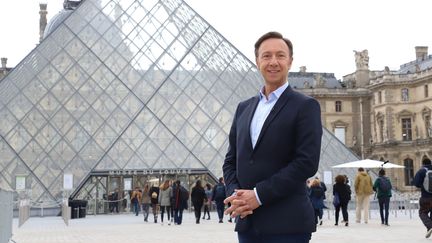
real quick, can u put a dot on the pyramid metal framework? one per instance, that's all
(123, 85)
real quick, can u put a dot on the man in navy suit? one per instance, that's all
(274, 147)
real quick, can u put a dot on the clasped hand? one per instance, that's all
(243, 202)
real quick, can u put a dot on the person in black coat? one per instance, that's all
(179, 201)
(198, 196)
(344, 192)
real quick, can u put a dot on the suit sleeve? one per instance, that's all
(230, 163)
(304, 165)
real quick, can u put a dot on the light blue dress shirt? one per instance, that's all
(262, 111)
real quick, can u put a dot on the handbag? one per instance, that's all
(336, 199)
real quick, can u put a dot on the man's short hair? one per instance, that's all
(360, 169)
(273, 35)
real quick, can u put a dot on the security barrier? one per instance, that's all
(66, 211)
(6, 215)
(24, 211)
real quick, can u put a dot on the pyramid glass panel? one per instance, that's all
(125, 88)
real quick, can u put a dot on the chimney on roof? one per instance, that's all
(3, 65)
(421, 52)
(43, 20)
(303, 69)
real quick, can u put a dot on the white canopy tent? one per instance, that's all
(368, 163)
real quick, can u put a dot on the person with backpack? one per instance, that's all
(154, 195)
(382, 186)
(219, 196)
(425, 210)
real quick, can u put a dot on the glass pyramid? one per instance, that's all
(124, 85)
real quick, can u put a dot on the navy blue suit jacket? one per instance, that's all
(286, 154)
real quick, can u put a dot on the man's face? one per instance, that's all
(274, 61)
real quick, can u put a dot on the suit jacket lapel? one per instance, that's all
(250, 113)
(280, 103)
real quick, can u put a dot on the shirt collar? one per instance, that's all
(275, 94)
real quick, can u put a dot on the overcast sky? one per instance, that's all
(324, 32)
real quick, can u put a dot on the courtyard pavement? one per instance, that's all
(405, 227)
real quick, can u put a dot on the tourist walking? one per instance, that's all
(219, 196)
(207, 202)
(135, 200)
(180, 198)
(316, 195)
(198, 196)
(363, 190)
(342, 191)
(165, 194)
(425, 210)
(145, 202)
(382, 186)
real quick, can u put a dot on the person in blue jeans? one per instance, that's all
(383, 195)
(219, 196)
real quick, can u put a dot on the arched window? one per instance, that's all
(426, 91)
(338, 106)
(409, 171)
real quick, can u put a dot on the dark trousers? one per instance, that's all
(344, 207)
(168, 210)
(220, 206)
(197, 210)
(178, 216)
(425, 211)
(251, 236)
(384, 203)
(114, 207)
(318, 214)
(206, 210)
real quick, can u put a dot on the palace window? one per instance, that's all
(426, 91)
(406, 129)
(409, 171)
(379, 97)
(338, 106)
(339, 132)
(381, 130)
(428, 127)
(405, 94)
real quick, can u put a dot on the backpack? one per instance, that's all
(427, 183)
(219, 192)
(154, 195)
(184, 194)
(384, 184)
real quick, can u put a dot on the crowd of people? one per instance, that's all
(171, 199)
(364, 188)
